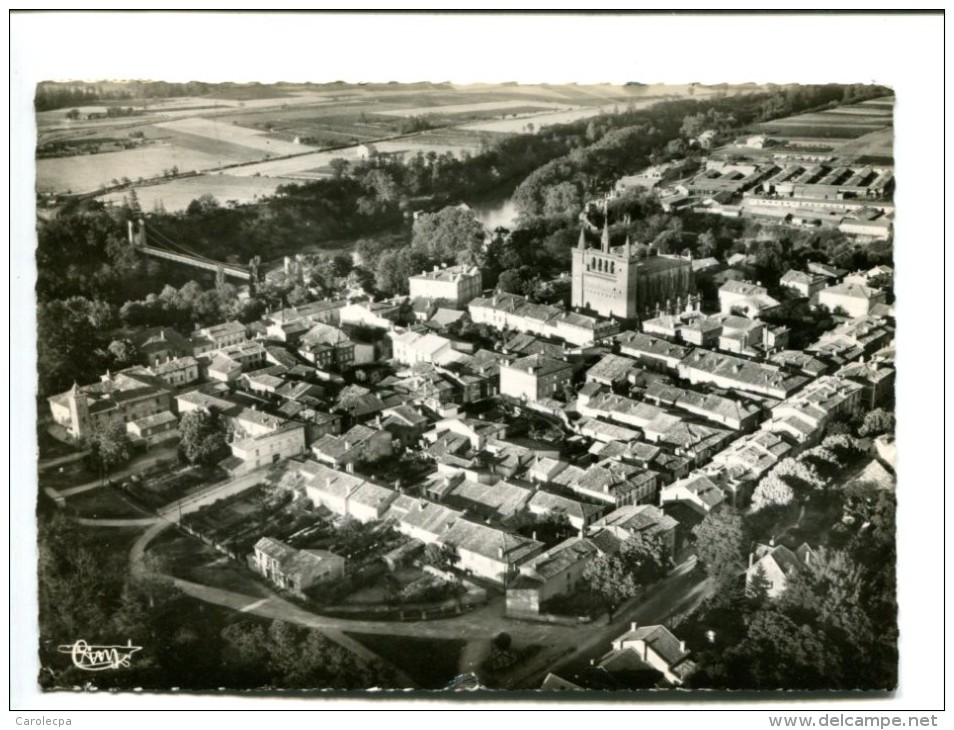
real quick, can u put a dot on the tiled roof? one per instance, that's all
(561, 557)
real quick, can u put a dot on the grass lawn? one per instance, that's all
(432, 663)
(68, 475)
(191, 559)
(103, 503)
(114, 540)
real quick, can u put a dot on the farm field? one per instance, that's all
(833, 127)
(478, 106)
(518, 125)
(293, 167)
(177, 194)
(874, 144)
(250, 124)
(86, 173)
(232, 134)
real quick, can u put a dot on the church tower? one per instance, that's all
(79, 412)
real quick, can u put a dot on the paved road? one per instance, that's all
(44, 464)
(116, 522)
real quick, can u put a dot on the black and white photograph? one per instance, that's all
(393, 384)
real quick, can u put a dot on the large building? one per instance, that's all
(457, 284)
(535, 377)
(122, 398)
(628, 281)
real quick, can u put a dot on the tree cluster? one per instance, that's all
(202, 437)
(641, 560)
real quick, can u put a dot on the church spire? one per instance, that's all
(627, 250)
(581, 244)
(605, 240)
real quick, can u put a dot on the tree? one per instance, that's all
(202, 437)
(123, 352)
(641, 560)
(440, 556)
(510, 281)
(245, 652)
(68, 343)
(779, 653)
(693, 125)
(758, 587)
(339, 167)
(646, 557)
(609, 578)
(877, 422)
(772, 491)
(203, 205)
(706, 243)
(444, 235)
(721, 545)
(342, 264)
(562, 200)
(109, 446)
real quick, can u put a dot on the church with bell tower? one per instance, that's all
(628, 281)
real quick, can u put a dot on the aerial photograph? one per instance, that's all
(447, 386)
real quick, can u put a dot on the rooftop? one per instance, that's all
(560, 557)
(449, 274)
(539, 365)
(490, 542)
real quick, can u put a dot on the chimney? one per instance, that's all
(633, 625)
(350, 467)
(129, 225)
(500, 553)
(751, 559)
(534, 537)
(682, 646)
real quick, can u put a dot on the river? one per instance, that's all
(498, 211)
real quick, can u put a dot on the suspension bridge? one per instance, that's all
(155, 243)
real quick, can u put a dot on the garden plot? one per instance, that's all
(233, 525)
